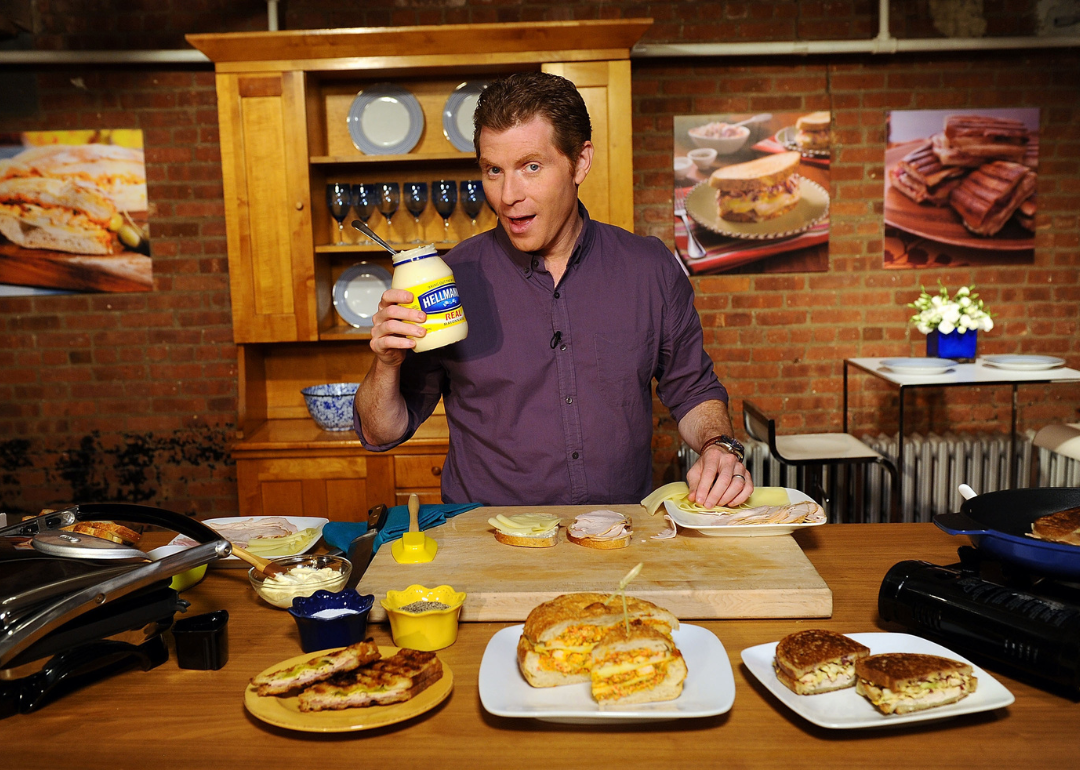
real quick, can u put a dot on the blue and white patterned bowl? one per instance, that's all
(331, 405)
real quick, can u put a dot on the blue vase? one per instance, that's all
(957, 345)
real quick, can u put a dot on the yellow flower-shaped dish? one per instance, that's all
(431, 629)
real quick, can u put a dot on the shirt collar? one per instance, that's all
(524, 260)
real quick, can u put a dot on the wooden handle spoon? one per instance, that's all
(262, 565)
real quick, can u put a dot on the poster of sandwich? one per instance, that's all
(73, 211)
(751, 192)
(960, 187)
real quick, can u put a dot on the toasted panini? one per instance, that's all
(922, 165)
(990, 194)
(639, 665)
(1060, 527)
(816, 661)
(759, 189)
(391, 680)
(899, 683)
(937, 195)
(317, 669)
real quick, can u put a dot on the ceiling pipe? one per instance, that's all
(884, 43)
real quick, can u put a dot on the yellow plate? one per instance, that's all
(285, 711)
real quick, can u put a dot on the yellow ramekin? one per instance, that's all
(431, 630)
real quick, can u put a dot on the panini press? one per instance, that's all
(74, 608)
(1010, 617)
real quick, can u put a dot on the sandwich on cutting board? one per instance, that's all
(526, 530)
(757, 190)
(816, 661)
(899, 683)
(559, 636)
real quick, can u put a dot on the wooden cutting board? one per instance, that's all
(126, 272)
(694, 576)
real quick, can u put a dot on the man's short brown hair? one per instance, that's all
(518, 98)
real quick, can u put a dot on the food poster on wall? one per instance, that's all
(752, 192)
(960, 187)
(73, 212)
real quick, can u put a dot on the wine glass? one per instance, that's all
(444, 196)
(365, 199)
(472, 199)
(416, 202)
(339, 200)
(389, 200)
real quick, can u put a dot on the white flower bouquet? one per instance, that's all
(942, 313)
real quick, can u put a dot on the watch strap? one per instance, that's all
(726, 443)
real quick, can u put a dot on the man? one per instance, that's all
(549, 398)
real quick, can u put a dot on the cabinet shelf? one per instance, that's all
(418, 158)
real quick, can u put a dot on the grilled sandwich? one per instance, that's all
(391, 680)
(990, 194)
(971, 140)
(63, 215)
(920, 176)
(639, 665)
(757, 190)
(559, 635)
(1025, 214)
(119, 172)
(816, 661)
(1060, 527)
(812, 131)
(317, 669)
(899, 683)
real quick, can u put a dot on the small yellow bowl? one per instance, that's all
(429, 630)
(184, 580)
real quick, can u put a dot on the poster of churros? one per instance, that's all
(960, 187)
(73, 211)
(751, 192)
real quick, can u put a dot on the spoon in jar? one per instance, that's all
(359, 225)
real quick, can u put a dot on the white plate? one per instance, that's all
(919, 365)
(786, 137)
(709, 688)
(385, 119)
(1024, 363)
(846, 709)
(358, 291)
(697, 521)
(813, 206)
(458, 112)
(300, 522)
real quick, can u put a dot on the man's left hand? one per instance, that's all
(718, 478)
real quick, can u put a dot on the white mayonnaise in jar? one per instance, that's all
(431, 281)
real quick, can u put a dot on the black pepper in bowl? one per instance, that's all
(423, 606)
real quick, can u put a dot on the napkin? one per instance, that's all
(340, 534)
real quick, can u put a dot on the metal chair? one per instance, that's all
(810, 452)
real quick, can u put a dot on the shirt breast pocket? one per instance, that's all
(625, 364)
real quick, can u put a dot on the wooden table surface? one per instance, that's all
(168, 717)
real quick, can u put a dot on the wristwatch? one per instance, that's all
(728, 443)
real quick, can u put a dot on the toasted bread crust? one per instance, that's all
(800, 653)
(897, 669)
(758, 174)
(107, 530)
(1060, 527)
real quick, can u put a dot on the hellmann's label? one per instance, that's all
(439, 299)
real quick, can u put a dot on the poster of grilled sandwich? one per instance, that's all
(73, 211)
(751, 192)
(960, 187)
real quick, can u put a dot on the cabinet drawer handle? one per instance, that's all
(299, 205)
(436, 471)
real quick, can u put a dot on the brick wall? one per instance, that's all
(132, 397)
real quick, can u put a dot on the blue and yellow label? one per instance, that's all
(439, 300)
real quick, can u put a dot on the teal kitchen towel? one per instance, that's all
(340, 534)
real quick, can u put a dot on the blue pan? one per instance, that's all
(998, 523)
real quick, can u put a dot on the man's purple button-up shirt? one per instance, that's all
(548, 400)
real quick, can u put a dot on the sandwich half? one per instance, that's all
(812, 131)
(391, 680)
(969, 140)
(899, 682)
(921, 176)
(526, 530)
(559, 635)
(1060, 527)
(639, 665)
(317, 669)
(57, 215)
(816, 661)
(990, 194)
(758, 189)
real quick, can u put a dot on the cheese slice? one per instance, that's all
(525, 523)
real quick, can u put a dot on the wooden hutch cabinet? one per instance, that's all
(283, 105)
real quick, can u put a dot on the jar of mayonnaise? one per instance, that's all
(431, 281)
